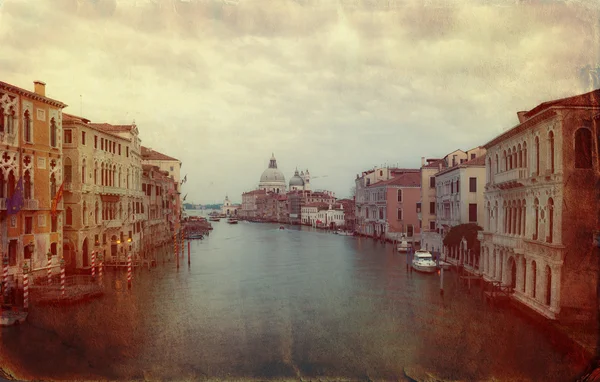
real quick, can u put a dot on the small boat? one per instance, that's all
(345, 233)
(403, 245)
(191, 236)
(423, 262)
(214, 219)
(281, 227)
(232, 221)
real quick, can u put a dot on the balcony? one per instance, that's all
(511, 178)
(31, 204)
(87, 187)
(107, 190)
(514, 242)
(68, 186)
(114, 224)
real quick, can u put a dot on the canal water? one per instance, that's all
(262, 303)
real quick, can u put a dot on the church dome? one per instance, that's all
(272, 177)
(296, 180)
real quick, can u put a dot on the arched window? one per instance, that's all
(524, 218)
(583, 148)
(497, 164)
(524, 266)
(536, 207)
(533, 278)
(524, 154)
(520, 157)
(83, 171)
(84, 214)
(537, 155)
(95, 172)
(53, 133)
(551, 151)
(68, 216)
(505, 161)
(52, 186)
(68, 170)
(1, 119)
(102, 174)
(97, 213)
(27, 133)
(27, 185)
(550, 220)
(489, 170)
(2, 185)
(10, 121)
(548, 285)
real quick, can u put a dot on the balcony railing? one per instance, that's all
(114, 224)
(508, 241)
(87, 187)
(512, 177)
(31, 204)
(108, 190)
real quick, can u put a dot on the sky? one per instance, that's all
(336, 87)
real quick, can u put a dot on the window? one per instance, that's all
(400, 195)
(10, 121)
(452, 187)
(68, 170)
(95, 141)
(419, 207)
(171, 168)
(127, 151)
(27, 252)
(432, 208)
(536, 207)
(12, 252)
(409, 230)
(28, 224)
(68, 216)
(27, 127)
(1, 119)
(537, 155)
(83, 137)
(583, 148)
(119, 149)
(53, 134)
(54, 249)
(550, 220)
(432, 182)
(472, 212)
(472, 184)
(399, 214)
(101, 143)
(432, 225)
(472, 156)
(27, 186)
(68, 137)
(54, 224)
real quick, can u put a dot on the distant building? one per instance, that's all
(249, 203)
(542, 204)
(272, 179)
(230, 209)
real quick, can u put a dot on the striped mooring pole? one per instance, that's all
(129, 269)
(100, 266)
(182, 243)
(49, 268)
(93, 265)
(4, 271)
(62, 277)
(175, 244)
(25, 286)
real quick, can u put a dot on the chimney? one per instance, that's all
(440, 166)
(521, 115)
(422, 161)
(39, 88)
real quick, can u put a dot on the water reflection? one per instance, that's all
(259, 302)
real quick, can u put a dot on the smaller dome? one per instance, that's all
(296, 180)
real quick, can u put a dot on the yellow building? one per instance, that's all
(30, 151)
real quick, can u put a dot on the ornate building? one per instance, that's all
(30, 159)
(272, 179)
(541, 205)
(103, 191)
(230, 209)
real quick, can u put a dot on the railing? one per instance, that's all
(31, 204)
(68, 186)
(510, 176)
(113, 224)
(508, 241)
(112, 190)
(87, 187)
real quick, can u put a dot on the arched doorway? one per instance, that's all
(548, 285)
(84, 253)
(513, 273)
(69, 255)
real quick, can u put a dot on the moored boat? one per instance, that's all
(423, 262)
(345, 233)
(232, 221)
(214, 219)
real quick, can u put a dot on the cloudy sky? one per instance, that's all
(333, 86)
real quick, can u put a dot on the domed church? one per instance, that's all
(300, 182)
(272, 180)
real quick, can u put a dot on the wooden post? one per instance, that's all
(189, 263)
(62, 278)
(129, 269)
(93, 266)
(442, 281)
(4, 274)
(25, 286)
(100, 266)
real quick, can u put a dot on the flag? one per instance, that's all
(15, 203)
(57, 199)
(184, 197)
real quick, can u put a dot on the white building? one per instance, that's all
(321, 214)
(230, 209)
(272, 179)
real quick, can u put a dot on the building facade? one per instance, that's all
(228, 208)
(30, 171)
(272, 179)
(541, 208)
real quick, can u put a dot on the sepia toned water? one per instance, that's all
(263, 303)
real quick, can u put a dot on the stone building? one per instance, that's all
(272, 179)
(541, 205)
(31, 141)
(228, 208)
(104, 201)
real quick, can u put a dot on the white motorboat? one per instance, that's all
(345, 233)
(423, 262)
(403, 246)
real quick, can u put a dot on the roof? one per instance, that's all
(544, 111)
(475, 162)
(587, 99)
(409, 179)
(102, 127)
(435, 163)
(255, 192)
(73, 118)
(112, 128)
(149, 154)
(32, 95)
(317, 204)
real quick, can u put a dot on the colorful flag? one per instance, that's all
(15, 203)
(57, 199)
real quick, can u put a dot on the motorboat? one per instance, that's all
(194, 235)
(281, 227)
(232, 221)
(345, 233)
(214, 219)
(423, 262)
(403, 245)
